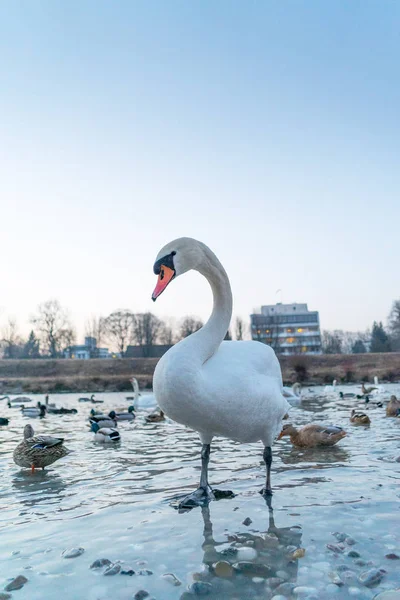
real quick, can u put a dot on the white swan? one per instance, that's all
(293, 394)
(147, 400)
(380, 389)
(330, 389)
(229, 389)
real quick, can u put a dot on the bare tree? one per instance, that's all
(239, 328)
(11, 340)
(189, 325)
(167, 333)
(53, 327)
(146, 329)
(119, 326)
(95, 327)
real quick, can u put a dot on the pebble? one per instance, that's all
(223, 569)
(353, 554)
(279, 597)
(388, 595)
(141, 595)
(172, 579)
(335, 578)
(16, 584)
(247, 521)
(250, 569)
(230, 552)
(350, 541)
(336, 548)
(354, 591)
(299, 553)
(99, 563)
(15, 552)
(112, 569)
(201, 588)
(285, 588)
(303, 590)
(340, 536)
(245, 553)
(371, 577)
(360, 562)
(273, 582)
(4, 596)
(283, 575)
(129, 572)
(332, 588)
(145, 572)
(72, 552)
(392, 556)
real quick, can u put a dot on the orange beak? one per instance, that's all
(280, 436)
(166, 275)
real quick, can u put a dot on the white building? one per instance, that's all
(288, 328)
(87, 350)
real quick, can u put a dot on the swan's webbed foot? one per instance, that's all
(200, 497)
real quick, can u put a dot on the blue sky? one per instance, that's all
(269, 130)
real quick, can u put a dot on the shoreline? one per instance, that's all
(112, 375)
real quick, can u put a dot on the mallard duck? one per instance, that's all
(313, 435)
(123, 416)
(105, 434)
(38, 451)
(368, 390)
(393, 407)
(34, 411)
(348, 395)
(4, 421)
(359, 418)
(103, 420)
(155, 417)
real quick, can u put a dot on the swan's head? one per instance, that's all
(174, 259)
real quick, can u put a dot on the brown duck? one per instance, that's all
(368, 390)
(393, 408)
(155, 417)
(313, 435)
(359, 418)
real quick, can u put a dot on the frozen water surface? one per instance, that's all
(115, 502)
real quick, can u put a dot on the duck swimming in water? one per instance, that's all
(38, 451)
(313, 435)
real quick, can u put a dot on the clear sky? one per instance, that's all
(270, 130)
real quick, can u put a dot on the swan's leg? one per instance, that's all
(203, 495)
(267, 491)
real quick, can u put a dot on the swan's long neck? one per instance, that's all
(205, 342)
(135, 386)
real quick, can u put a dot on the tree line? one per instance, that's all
(53, 332)
(378, 339)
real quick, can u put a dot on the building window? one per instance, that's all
(300, 330)
(267, 331)
(290, 340)
(304, 349)
(289, 330)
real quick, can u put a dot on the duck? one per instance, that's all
(367, 399)
(34, 411)
(4, 421)
(348, 395)
(155, 417)
(231, 389)
(367, 390)
(91, 399)
(359, 418)
(123, 416)
(293, 394)
(393, 407)
(313, 435)
(103, 420)
(105, 434)
(51, 408)
(38, 451)
(20, 400)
